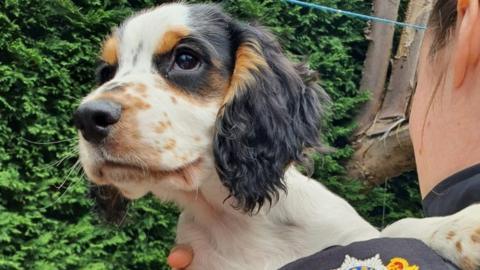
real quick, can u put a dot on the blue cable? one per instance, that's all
(357, 15)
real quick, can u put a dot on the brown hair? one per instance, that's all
(442, 22)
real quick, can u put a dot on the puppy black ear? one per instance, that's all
(271, 112)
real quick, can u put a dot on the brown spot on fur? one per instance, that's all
(249, 59)
(141, 104)
(450, 235)
(476, 236)
(144, 105)
(171, 38)
(197, 139)
(458, 246)
(110, 50)
(467, 264)
(141, 88)
(161, 127)
(174, 100)
(170, 144)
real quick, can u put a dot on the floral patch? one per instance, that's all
(401, 264)
(376, 263)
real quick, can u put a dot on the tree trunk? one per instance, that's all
(381, 158)
(403, 79)
(385, 150)
(377, 61)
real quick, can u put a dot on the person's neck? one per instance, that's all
(445, 125)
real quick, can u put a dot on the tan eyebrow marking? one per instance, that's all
(109, 50)
(171, 38)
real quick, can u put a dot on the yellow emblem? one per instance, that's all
(401, 264)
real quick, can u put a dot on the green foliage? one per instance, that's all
(47, 60)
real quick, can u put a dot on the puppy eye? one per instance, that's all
(105, 72)
(186, 61)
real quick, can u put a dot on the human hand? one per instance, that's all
(180, 257)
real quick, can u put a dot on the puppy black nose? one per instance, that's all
(95, 118)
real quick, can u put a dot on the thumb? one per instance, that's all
(180, 257)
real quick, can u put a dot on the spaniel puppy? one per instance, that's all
(207, 112)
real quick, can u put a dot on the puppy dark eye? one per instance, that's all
(186, 61)
(105, 72)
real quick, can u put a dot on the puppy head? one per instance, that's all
(186, 95)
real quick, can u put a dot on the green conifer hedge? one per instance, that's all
(48, 51)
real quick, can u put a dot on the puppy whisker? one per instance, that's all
(68, 155)
(48, 143)
(76, 167)
(73, 184)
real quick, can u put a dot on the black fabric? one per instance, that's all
(415, 251)
(454, 193)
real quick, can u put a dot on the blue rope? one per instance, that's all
(357, 15)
